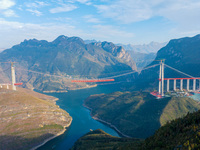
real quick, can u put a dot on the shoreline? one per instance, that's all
(51, 138)
(107, 123)
(54, 91)
(81, 88)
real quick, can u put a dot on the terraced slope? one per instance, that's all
(27, 121)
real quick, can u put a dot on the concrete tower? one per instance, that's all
(13, 76)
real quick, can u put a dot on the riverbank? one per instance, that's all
(107, 123)
(51, 138)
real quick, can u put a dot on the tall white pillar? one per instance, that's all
(162, 79)
(174, 84)
(181, 85)
(159, 88)
(13, 76)
(168, 85)
(188, 84)
(7, 86)
(199, 85)
(0, 86)
(194, 84)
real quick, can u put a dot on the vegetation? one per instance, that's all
(28, 119)
(182, 133)
(138, 114)
(99, 140)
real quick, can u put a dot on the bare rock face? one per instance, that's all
(28, 119)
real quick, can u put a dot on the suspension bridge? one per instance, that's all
(161, 86)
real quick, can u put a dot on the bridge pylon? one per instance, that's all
(161, 78)
(13, 76)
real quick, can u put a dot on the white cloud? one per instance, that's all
(130, 11)
(9, 13)
(6, 4)
(63, 8)
(91, 19)
(126, 11)
(35, 12)
(108, 33)
(87, 2)
(16, 32)
(36, 4)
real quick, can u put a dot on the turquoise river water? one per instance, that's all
(72, 102)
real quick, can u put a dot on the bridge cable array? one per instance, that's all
(179, 71)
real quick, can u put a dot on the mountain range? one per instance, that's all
(182, 54)
(152, 47)
(144, 54)
(68, 57)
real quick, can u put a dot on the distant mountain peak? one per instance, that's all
(33, 42)
(63, 40)
(152, 47)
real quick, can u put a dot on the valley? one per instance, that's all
(123, 107)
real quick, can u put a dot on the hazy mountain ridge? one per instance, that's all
(66, 56)
(142, 59)
(182, 54)
(152, 47)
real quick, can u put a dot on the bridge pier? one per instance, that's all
(194, 84)
(188, 84)
(174, 84)
(199, 85)
(181, 84)
(167, 85)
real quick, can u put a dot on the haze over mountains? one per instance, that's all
(182, 54)
(152, 47)
(144, 54)
(65, 56)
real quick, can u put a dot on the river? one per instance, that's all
(72, 102)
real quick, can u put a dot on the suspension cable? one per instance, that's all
(5, 69)
(42, 73)
(179, 71)
(100, 78)
(150, 67)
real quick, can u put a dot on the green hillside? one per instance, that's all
(99, 140)
(138, 114)
(179, 134)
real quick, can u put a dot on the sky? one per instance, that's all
(118, 21)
